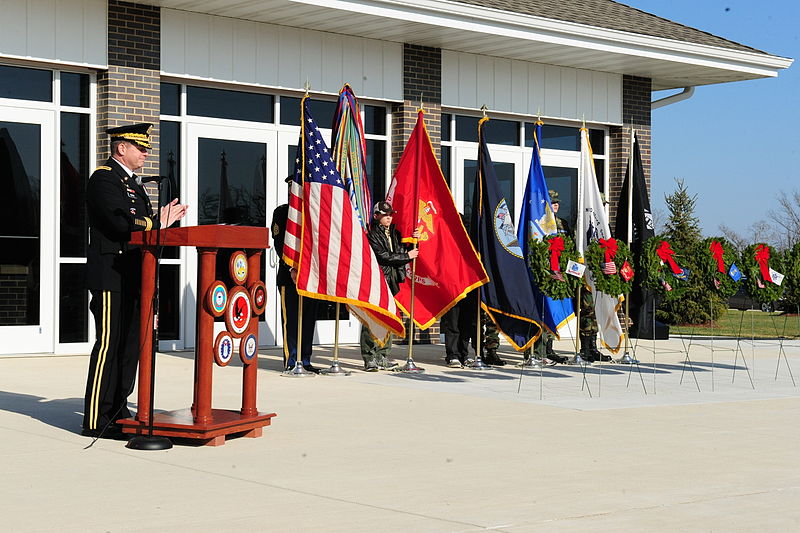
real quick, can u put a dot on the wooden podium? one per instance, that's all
(200, 422)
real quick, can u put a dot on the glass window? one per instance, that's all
(497, 131)
(74, 89)
(323, 111)
(26, 83)
(376, 168)
(564, 181)
(171, 99)
(446, 126)
(231, 182)
(73, 303)
(597, 139)
(600, 174)
(559, 137)
(74, 177)
(327, 311)
(169, 313)
(505, 176)
(446, 164)
(235, 105)
(20, 218)
(374, 120)
(467, 128)
(169, 165)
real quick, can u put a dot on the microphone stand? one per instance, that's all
(150, 442)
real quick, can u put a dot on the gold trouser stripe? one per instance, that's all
(105, 335)
(283, 325)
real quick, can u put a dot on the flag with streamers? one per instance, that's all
(325, 242)
(593, 226)
(536, 221)
(350, 153)
(508, 297)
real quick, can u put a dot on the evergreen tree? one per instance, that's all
(698, 304)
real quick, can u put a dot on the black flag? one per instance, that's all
(641, 229)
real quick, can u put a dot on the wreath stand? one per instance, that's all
(654, 349)
(710, 347)
(626, 359)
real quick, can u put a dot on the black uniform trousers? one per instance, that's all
(289, 310)
(458, 326)
(112, 365)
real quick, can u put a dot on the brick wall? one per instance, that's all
(636, 96)
(129, 91)
(14, 295)
(422, 78)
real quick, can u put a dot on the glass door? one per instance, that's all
(507, 167)
(325, 332)
(27, 271)
(231, 179)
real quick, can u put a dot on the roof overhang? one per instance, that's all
(465, 28)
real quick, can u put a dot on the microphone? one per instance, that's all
(148, 179)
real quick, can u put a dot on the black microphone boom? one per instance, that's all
(153, 178)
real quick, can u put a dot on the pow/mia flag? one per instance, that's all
(635, 234)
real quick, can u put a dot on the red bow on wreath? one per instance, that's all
(716, 251)
(556, 247)
(762, 258)
(609, 247)
(665, 253)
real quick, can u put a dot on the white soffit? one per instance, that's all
(465, 28)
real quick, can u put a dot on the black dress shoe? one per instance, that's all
(311, 368)
(112, 432)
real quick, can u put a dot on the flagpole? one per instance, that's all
(626, 357)
(410, 366)
(335, 369)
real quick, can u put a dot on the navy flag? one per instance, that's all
(508, 297)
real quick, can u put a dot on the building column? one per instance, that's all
(636, 113)
(422, 78)
(129, 91)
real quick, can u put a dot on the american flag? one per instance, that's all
(609, 268)
(326, 243)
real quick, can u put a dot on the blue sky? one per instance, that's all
(734, 144)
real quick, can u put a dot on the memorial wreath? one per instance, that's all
(717, 266)
(611, 264)
(763, 282)
(662, 271)
(548, 259)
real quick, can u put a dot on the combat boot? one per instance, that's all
(586, 349)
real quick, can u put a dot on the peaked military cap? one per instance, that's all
(138, 134)
(553, 197)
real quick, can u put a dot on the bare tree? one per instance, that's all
(787, 219)
(759, 231)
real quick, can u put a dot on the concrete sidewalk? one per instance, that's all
(446, 451)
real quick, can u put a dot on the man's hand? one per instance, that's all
(293, 274)
(413, 253)
(416, 233)
(172, 212)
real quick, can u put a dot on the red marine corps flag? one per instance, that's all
(447, 267)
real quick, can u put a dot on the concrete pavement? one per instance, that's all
(447, 451)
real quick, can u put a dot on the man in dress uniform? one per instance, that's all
(117, 205)
(286, 280)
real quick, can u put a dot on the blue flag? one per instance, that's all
(536, 221)
(508, 297)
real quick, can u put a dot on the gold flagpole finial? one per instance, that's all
(583, 120)
(484, 109)
(539, 115)
(421, 107)
(307, 86)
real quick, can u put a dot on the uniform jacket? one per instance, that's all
(392, 258)
(279, 218)
(116, 206)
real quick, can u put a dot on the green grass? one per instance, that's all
(746, 324)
